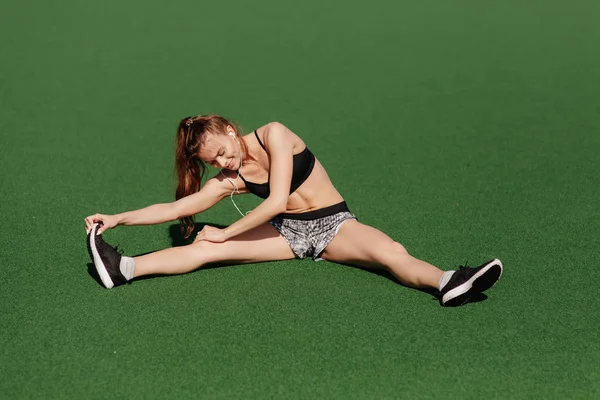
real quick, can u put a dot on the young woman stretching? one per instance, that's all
(302, 215)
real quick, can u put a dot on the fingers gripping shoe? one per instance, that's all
(106, 259)
(468, 281)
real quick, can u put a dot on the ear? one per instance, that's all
(231, 130)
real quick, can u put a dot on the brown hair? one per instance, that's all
(191, 134)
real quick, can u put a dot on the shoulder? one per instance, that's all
(276, 128)
(225, 181)
(276, 134)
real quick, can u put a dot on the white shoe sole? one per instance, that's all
(100, 267)
(453, 297)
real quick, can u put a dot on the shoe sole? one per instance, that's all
(100, 267)
(481, 281)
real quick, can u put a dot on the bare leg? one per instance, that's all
(262, 243)
(364, 246)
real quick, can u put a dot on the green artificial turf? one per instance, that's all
(466, 130)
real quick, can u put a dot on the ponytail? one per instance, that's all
(190, 169)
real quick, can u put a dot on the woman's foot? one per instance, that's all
(106, 259)
(467, 281)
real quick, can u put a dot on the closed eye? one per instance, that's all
(214, 161)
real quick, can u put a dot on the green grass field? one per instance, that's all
(464, 129)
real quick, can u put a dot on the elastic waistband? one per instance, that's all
(320, 213)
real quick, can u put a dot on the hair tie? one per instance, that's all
(189, 121)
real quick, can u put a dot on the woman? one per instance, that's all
(302, 215)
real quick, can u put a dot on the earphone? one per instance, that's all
(235, 187)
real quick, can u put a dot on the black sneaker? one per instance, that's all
(106, 259)
(468, 281)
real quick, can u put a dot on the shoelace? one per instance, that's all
(466, 266)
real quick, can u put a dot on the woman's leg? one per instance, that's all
(262, 243)
(361, 245)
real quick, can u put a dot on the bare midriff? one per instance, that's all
(315, 193)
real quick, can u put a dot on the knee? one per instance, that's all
(388, 252)
(204, 252)
(394, 249)
(398, 248)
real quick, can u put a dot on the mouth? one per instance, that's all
(230, 165)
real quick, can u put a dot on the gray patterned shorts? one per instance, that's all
(309, 233)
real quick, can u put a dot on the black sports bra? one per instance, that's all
(304, 163)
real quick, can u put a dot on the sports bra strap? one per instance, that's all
(259, 142)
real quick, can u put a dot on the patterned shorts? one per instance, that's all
(309, 233)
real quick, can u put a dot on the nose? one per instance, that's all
(223, 162)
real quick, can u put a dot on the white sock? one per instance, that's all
(127, 267)
(444, 279)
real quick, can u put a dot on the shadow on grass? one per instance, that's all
(177, 239)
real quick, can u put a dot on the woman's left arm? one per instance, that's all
(280, 145)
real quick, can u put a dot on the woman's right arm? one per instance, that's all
(211, 193)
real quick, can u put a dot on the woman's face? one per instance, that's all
(221, 151)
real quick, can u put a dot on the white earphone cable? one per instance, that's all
(235, 190)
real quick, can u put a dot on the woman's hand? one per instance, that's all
(107, 222)
(211, 234)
